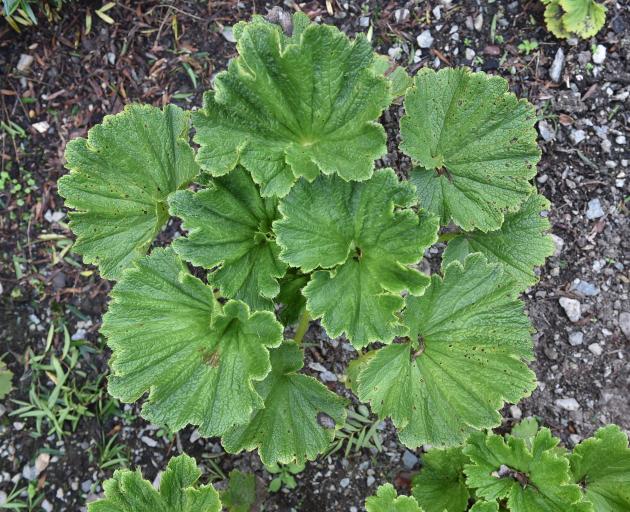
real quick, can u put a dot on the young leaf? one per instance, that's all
(229, 228)
(294, 106)
(120, 177)
(601, 466)
(291, 297)
(469, 340)
(553, 19)
(531, 480)
(364, 235)
(583, 17)
(386, 500)
(519, 245)
(441, 483)
(296, 423)
(526, 430)
(485, 506)
(6, 380)
(240, 495)
(127, 491)
(397, 75)
(169, 336)
(474, 143)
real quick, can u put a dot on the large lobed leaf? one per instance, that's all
(361, 236)
(530, 479)
(198, 361)
(120, 177)
(583, 17)
(601, 465)
(229, 228)
(299, 417)
(474, 143)
(519, 245)
(441, 484)
(469, 340)
(386, 500)
(179, 491)
(294, 106)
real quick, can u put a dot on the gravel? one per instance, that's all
(568, 404)
(572, 308)
(595, 210)
(555, 71)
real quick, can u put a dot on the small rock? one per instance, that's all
(395, 52)
(41, 463)
(148, 441)
(478, 24)
(409, 460)
(86, 485)
(47, 506)
(401, 15)
(425, 40)
(585, 288)
(516, 412)
(559, 243)
(621, 140)
(327, 376)
(370, 481)
(624, 323)
(596, 349)
(364, 21)
(317, 367)
(29, 472)
(41, 127)
(571, 307)
(599, 55)
(546, 131)
(195, 436)
(470, 54)
(576, 338)
(111, 57)
(577, 136)
(53, 217)
(568, 404)
(228, 34)
(594, 210)
(24, 63)
(344, 482)
(3, 497)
(555, 71)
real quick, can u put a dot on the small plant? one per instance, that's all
(526, 471)
(179, 491)
(527, 46)
(582, 18)
(240, 495)
(290, 221)
(284, 476)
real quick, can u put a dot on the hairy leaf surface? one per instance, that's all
(583, 17)
(198, 361)
(469, 342)
(120, 177)
(553, 19)
(440, 485)
(240, 495)
(474, 143)
(387, 500)
(601, 465)
(531, 480)
(179, 491)
(398, 77)
(363, 236)
(294, 425)
(485, 506)
(294, 106)
(229, 227)
(290, 296)
(519, 245)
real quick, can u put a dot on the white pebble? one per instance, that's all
(596, 349)
(568, 404)
(425, 40)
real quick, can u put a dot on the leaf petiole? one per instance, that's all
(302, 327)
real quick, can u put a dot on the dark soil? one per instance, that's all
(77, 78)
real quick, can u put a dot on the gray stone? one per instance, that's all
(559, 243)
(624, 323)
(594, 210)
(24, 63)
(148, 441)
(596, 349)
(401, 15)
(568, 404)
(370, 481)
(469, 54)
(599, 55)
(577, 136)
(585, 288)
(345, 482)
(571, 307)
(409, 460)
(576, 338)
(555, 71)
(228, 34)
(546, 131)
(425, 39)
(516, 412)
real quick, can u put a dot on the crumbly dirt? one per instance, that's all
(76, 78)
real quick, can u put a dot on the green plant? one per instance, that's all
(527, 46)
(240, 495)
(6, 380)
(526, 471)
(179, 491)
(285, 474)
(289, 214)
(582, 18)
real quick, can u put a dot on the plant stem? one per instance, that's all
(302, 327)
